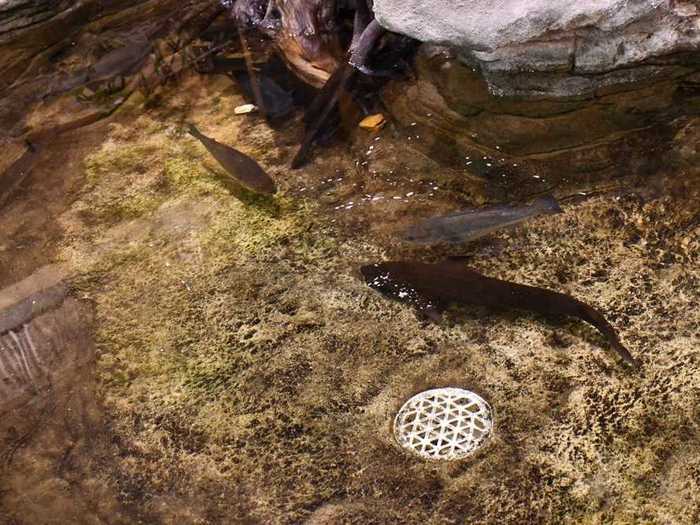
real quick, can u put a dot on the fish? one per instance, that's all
(432, 288)
(120, 62)
(468, 225)
(239, 165)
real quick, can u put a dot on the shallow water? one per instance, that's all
(220, 360)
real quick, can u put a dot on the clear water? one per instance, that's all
(215, 356)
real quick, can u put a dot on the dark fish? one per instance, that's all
(433, 287)
(122, 62)
(240, 166)
(468, 225)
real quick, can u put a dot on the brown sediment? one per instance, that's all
(18, 171)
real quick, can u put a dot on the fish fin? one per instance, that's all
(192, 130)
(548, 204)
(431, 313)
(625, 354)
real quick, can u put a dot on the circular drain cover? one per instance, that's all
(443, 423)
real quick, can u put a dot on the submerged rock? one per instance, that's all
(531, 144)
(18, 14)
(538, 48)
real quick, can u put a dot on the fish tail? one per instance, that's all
(192, 129)
(594, 317)
(548, 204)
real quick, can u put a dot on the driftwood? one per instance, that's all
(306, 33)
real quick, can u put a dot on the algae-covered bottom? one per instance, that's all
(244, 373)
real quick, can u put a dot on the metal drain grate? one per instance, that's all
(443, 423)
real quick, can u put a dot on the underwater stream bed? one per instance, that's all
(215, 356)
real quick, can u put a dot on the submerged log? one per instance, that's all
(305, 32)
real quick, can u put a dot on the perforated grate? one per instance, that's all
(443, 423)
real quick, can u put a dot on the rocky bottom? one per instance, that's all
(230, 365)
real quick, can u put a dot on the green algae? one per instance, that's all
(236, 350)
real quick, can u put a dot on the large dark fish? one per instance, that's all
(433, 287)
(240, 166)
(468, 225)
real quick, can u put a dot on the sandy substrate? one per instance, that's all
(234, 368)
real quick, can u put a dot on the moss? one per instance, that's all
(237, 349)
(127, 179)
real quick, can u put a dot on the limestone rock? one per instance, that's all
(539, 48)
(18, 14)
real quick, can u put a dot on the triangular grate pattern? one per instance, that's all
(443, 423)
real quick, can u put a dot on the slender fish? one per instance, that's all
(432, 288)
(240, 166)
(468, 225)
